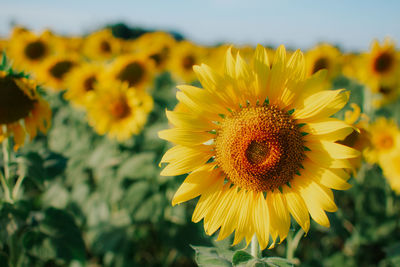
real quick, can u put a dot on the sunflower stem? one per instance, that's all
(6, 158)
(5, 179)
(17, 186)
(292, 243)
(254, 247)
(6, 188)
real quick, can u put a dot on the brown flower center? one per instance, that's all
(35, 50)
(188, 62)
(384, 62)
(61, 68)
(105, 47)
(133, 73)
(321, 63)
(120, 109)
(14, 103)
(89, 82)
(259, 148)
(384, 141)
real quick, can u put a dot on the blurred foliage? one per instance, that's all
(88, 200)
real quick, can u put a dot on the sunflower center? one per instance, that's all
(133, 73)
(14, 103)
(89, 82)
(120, 109)
(385, 90)
(383, 62)
(60, 69)
(105, 47)
(35, 50)
(384, 142)
(259, 148)
(188, 62)
(321, 63)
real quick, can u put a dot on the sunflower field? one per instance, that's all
(126, 147)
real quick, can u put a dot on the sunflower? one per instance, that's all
(183, 57)
(324, 56)
(82, 80)
(27, 49)
(390, 165)
(259, 144)
(101, 45)
(155, 45)
(54, 71)
(118, 110)
(22, 110)
(136, 70)
(384, 138)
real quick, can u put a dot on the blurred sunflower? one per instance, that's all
(22, 110)
(82, 80)
(384, 138)
(136, 70)
(54, 70)
(155, 45)
(27, 49)
(101, 45)
(324, 56)
(183, 57)
(259, 144)
(390, 165)
(118, 110)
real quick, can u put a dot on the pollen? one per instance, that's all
(259, 148)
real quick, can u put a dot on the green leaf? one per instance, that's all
(241, 257)
(277, 261)
(209, 257)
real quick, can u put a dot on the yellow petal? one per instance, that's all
(185, 159)
(321, 105)
(261, 219)
(244, 225)
(297, 207)
(334, 150)
(206, 201)
(185, 137)
(261, 69)
(327, 177)
(324, 159)
(189, 121)
(326, 126)
(230, 64)
(279, 213)
(196, 183)
(310, 194)
(278, 75)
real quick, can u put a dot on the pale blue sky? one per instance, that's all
(295, 23)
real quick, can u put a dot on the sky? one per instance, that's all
(296, 23)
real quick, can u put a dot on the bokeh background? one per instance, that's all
(90, 200)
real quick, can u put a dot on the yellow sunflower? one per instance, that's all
(324, 56)
(155, 45)
(27, 49)
(82, 80)
(390, 165)
(183, 57)
(136, 70)
(384, 138)
(101, 45)
(55, 69)
(259, 144)
(22, 110)
(118, 110)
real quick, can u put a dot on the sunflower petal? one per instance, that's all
(297, 207)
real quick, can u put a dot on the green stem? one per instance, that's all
(6, 188)
(255, 249)
(292, 244)
(17, 186)
(6, 158)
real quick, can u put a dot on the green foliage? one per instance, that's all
(86, 200)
